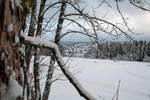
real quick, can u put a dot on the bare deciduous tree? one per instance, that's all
(14, 66)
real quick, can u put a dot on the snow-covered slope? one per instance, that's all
(101, 78)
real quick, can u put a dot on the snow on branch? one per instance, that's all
(73, 80)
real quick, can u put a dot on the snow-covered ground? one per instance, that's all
(101, 78)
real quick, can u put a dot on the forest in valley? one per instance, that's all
(126, 51)
(33, 57)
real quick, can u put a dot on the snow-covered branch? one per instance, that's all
(73, 80)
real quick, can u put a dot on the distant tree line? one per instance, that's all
(129, 50)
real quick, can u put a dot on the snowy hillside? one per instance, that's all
(101, 78)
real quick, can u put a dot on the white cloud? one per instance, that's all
(139, 21)
(142, 21)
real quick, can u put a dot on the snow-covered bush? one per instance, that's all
(146, 59)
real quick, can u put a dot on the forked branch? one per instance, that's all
(38, 42)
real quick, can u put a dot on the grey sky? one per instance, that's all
(138, 20)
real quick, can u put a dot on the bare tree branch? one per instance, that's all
(126, 24)
(50, 7)
(117, 92)
(134, 3)
(42, 43)
(102, 20)
(72, 31)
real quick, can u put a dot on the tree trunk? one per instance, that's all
(10, 51)
(48, 80)
(31, 32)
(37, 51)
(40, 18)
(37, 75)
(52, 61)
(29, 52)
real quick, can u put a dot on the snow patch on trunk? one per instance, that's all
(14, 90)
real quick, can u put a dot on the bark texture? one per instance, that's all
(29, 52)
(49, 79)
(10, 53)
(52, 61)
(40, 18)
(37, 75)
(60, 21)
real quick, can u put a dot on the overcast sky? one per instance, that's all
(138, 20)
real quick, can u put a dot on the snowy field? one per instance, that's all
(101, 78)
